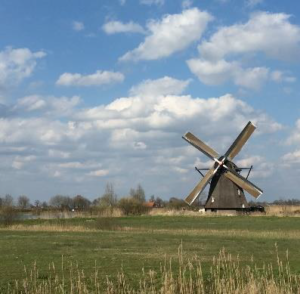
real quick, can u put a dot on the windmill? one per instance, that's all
(226, 184)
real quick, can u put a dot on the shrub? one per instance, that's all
(132, 206)
(7, 215)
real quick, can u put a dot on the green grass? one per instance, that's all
(147, 243)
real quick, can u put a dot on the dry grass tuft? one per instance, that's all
(227, 275)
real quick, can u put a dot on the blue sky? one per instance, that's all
(102, 91)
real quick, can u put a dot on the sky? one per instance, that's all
(101, 91)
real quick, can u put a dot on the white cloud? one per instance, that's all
(114, 27)
(20, 161)
(57, 106)
(271, 34)
(78, 26)
(120, 139)
(58, 154)
(186, 4)
(252, 78)
(221, 57)
(279, 76)
(261, 167)
(253, 3)
(292, 158)
(122, 2)
(152, 2)
(220, 71)
(17, 164)
(97, 79)
(212, 72)
(172, 34)
(163, 86)
(30, 103)
(294, 137)
(139, 146)
(16, 65)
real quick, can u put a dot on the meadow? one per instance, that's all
(102, 253)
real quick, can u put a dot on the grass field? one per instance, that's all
(134, 243)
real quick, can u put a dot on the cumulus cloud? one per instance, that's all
(114, 27)
(97, 79)
(162, 86)
(118, 140)
(172, 34)
(16, 65)
(57, 106)
(221, 56)
(272, 34)
(77, 26)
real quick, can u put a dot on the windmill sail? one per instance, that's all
(240, 141)
(200, 186)
(197, 143)
(243, 183)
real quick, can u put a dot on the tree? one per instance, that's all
(23, 201)
(138, 194)
(175, 203)
(61, 202)
(8, 201)
(81, 203)
(159, 202)
(44, 204)
(37, 203)
(109, 198)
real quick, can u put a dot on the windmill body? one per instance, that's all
(226, 184)
(225, 194)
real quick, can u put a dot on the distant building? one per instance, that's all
(150, 204)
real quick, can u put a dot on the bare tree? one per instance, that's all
(37, 203)
(109, 198)
(23, 201)
(44, 204)
(8, 201)
(61, 202)
(138, 194)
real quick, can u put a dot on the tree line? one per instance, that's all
(134, 203)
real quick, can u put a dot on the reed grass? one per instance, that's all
(181, 276)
